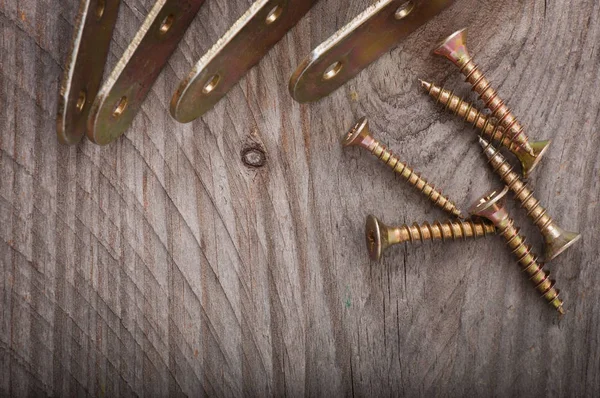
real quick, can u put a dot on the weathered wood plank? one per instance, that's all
(162, 264)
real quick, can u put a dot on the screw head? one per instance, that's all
(373, 229)
(528, 162)
(454, 48)
(359, 134)
(557, 240)
(491, 206)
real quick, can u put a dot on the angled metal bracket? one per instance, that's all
(244, 44)
(85, 66)
(104, 113)
(352, 48)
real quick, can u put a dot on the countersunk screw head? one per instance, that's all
(373, 229)
(454, 47)
(359, 135)
(491, 206)
(529, 162)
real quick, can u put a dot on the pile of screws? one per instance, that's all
(488, 215)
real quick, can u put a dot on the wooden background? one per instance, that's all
(162, 264)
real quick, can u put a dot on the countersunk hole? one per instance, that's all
(211, 84)
(80, 101)
(332, 70)
(100, 6)
(120, 107)
(166, 24)
(404, 10)
(274, 14)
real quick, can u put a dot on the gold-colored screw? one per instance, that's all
(360, 135)
(454, 49)
(488, 128)
(491, 207)
(556, 239)
(380, 236)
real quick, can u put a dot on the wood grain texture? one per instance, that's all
(163, 265)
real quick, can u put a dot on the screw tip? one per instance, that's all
(457, 213)
(425, 85)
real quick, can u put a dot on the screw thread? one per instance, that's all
(470, 114)
(446, 230)
(535, 211)
(403, 170)
(528, 261)
(494, 103)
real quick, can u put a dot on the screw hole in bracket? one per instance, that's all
(274, 14)
(100, 7)
(332, 70)
(166, 24)
(120, 107)
(211, 84)
(403, 11)
(80, 104)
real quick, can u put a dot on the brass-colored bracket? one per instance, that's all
(106, 113)
(352, 48)
(85, 67)
(244, 44)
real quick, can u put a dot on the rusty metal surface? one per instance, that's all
(92, 33)
(242, 47)
(372, 33)
(122, 94)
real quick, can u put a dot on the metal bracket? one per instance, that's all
(244, 44)
(117, 102)
(85, 67)
(352, 48)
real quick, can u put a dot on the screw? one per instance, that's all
(454, 48)
(360, 135)
(556, 239)
(489, 129)
(491, 206)
(380, 236)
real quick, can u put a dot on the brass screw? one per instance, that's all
(491, 207)
(380, 236)
(488, 128)
(556, 239)
(454, 48)
(360, 135)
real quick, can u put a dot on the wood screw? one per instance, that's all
(491, 207)
(360, 135)
(380, 236)
(454, 49)
(488, 128)
(556, 239)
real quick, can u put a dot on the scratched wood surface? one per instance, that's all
(163, 264)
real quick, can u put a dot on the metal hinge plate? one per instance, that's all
(352, 48)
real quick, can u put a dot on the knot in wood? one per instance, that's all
(254, 157)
